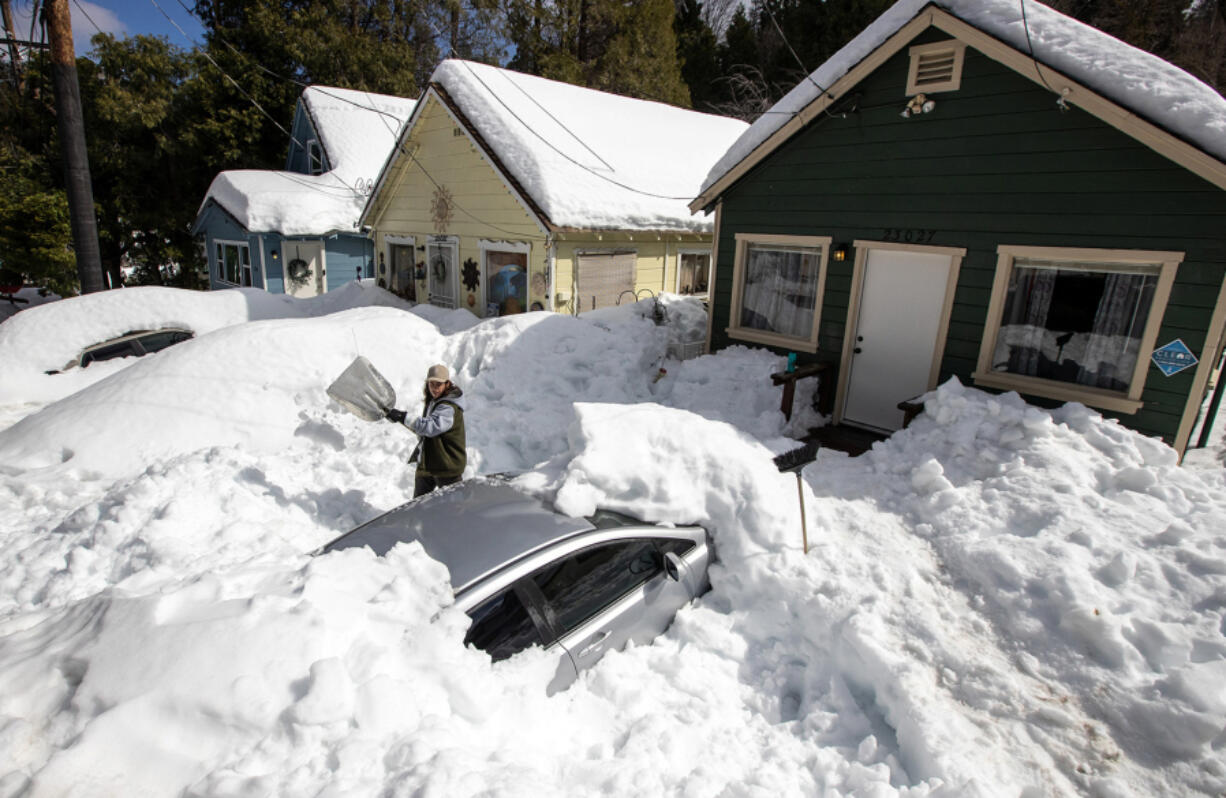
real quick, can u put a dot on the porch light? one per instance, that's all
(839, 252)
(919, 104)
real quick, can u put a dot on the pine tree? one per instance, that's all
(698, 52)
(619, 46)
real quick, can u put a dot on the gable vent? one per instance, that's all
(935, 67)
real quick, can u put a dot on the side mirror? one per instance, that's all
(672, 566)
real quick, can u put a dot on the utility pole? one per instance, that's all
(71, 125)
(10, 33)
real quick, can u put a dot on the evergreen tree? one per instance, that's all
(698, 52)
(619, 46)
(34, 228)
(148, 179)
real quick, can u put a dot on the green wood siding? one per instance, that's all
(996, 162)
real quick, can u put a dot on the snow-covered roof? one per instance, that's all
(589, 159)
(1140, 82)
(357, 130)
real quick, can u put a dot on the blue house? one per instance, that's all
(296, 231)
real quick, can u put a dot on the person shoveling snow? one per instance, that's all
(441, 454)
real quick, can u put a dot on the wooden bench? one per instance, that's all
(788, 380)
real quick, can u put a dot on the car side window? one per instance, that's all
(678, 546)
(158, 341)
(109, 352)
(587, 581)
(501, 626)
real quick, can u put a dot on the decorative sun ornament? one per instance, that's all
(470, 275)
(441, 208)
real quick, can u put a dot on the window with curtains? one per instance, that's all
(693, 273)
(777, 289)
(1086, 319)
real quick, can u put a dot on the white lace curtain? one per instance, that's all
(1105, 355)
(780, 290)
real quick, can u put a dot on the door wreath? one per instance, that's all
(299, 271)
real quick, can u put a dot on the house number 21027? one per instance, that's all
(910, 236)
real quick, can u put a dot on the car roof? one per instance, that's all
(472, 527)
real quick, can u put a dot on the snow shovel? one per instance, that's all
(363, 391)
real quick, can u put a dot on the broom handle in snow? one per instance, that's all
(804, 531)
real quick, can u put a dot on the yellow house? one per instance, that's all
(508, 192)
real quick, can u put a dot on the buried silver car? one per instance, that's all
(528, 575)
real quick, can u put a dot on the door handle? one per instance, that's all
(595, 644)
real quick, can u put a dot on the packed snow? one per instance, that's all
(998, 600)
(357, 130)
(1140, 82)
(587, 158)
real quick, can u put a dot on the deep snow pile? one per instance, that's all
(47, 337)
(997, 601)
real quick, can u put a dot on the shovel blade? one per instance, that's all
(363, 391)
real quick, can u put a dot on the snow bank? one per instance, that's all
(999, 600)
(47, 337)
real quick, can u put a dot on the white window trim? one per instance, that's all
(312, 168)
(1129, 402)
(955, 81)
(487, 246)
(734, 330)
(710, 269)
(390, 240)
(221, 269)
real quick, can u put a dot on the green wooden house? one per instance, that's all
(985, 190)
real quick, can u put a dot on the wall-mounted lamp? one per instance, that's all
(919, 104)
(839, 252)
(274, 254)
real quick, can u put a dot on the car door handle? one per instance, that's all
(595, 644)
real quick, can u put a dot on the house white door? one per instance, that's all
(304, 268)
(442, 265)
(900, 318)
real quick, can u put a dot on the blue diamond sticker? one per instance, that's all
(1173, 358)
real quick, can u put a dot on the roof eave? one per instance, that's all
(1154, 136)
(923, 19)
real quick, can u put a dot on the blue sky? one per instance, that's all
(121, 18)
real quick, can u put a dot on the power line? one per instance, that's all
(804, 70)
(81, 8)
(475, 218)
(1030, 45)
(551, 146)
(252, 100)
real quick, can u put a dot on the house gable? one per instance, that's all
(303, 137)
(930, 19)
(439, 159)
(996, 162)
